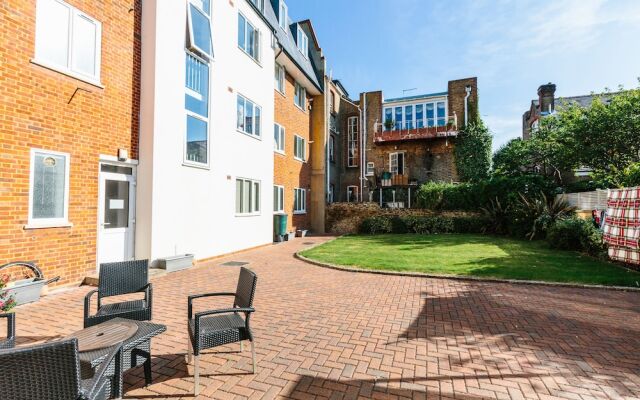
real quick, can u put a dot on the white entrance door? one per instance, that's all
(116, 216)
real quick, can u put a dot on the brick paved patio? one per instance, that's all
(326, 334)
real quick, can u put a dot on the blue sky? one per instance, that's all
(511, 46)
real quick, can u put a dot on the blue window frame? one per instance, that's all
(398, 118)
(431, 120)
(408, 117)
(388, 116)
(419, 116)
(442, 118)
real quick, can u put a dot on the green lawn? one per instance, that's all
(471, 255)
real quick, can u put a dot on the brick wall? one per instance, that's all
(289, 172)
(37, 111)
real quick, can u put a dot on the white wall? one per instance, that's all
(184, 209)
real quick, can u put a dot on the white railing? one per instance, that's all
(410, 131)
(194, 73)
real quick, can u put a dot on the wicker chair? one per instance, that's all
(117, 279)
(10, 340)
(52, 371)
(214, 328)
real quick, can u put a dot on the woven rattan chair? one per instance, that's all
(118, 279)
(52, 371)
(208, 329)
(10, 340)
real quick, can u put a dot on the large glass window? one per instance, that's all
(259, 4)
(388, 118)
(352, 142)
(300, 98)
(247, 196)
(248, 116)
(283, 17)
(67, 39)
(197, 140)
(280, 78)
(300, 201)
(396, 163)
(442, 117)
(408, 117)
(49, 188)
(303, 42)
(299, 148)
(431, 116)
(248, 38)
(196, 148)
(278, 138)
(278, 198)
(419, 115)
(199, 31)
(398, 118)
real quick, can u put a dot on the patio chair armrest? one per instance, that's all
(11, 326)
(95, 384)
(148, 294)
(199, 296)
(87, 302)
(246, 310)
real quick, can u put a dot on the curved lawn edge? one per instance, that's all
(345, 268)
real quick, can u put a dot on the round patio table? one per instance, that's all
(104, 335)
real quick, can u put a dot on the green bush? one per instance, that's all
(576, 234)
(424, 224)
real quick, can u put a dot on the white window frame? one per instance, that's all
(252, 198)
(192, 42)
(352, 140)
(281, 146)
(303, 197)
(259, 5)
(242, 47)
(185, 160)
(302, 42)
(301, 95)
(371, 169)
(281, 80)
(283, 17)
(68, 69)
(278, 199)
(253, 124)
(354, 190)
(332, 148)
(395, 169)
(303, 146)
(35, 223)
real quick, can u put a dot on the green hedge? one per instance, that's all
(473, 196)
(423, 224)
(577, 234)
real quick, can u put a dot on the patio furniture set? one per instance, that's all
(90, 363)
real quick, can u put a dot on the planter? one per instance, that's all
(289, 236)
(175, 263)
(27, 290)
(301, 233)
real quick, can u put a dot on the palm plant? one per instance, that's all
(543, 212)
(498, 216)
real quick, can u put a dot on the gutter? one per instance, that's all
(362, 145)
(466, 104)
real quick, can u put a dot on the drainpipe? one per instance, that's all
(362, 147)
(466, 104)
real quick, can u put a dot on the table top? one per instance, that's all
(104, 335)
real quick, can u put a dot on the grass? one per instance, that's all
(471, 255)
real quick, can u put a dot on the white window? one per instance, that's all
(278, 198)
(68, 40)
(248, 38)
(283, 17)
(300, 98)
(249, 117)
(280, 78)
(303, 42)
(259, 4)
(196, 148)
(199, 27)
(48, 189)
(352, 142)
(299, 148)
(396, 163)
(371, 169)
(247, 196)
(332, 102)
(278, 138)
(352, 194)
(299, 201)
(332, 145)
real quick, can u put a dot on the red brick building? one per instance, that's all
(69, 118)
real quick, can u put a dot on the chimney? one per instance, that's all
(546, 95)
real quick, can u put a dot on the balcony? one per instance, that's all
(383, 134)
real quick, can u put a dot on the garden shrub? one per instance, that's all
(576, 234)
(376, 225)
(424, 225)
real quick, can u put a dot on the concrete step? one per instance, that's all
(92, 279)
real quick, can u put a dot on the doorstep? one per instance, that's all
(92, 279)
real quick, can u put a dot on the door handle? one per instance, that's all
(105, 223)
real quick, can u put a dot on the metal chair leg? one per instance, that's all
(196, 376)
(241, 347)
(189, 350)
(253, 355)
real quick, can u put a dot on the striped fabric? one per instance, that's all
(622, 225)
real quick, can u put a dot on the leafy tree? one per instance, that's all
(473, 152)
(512, 158)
